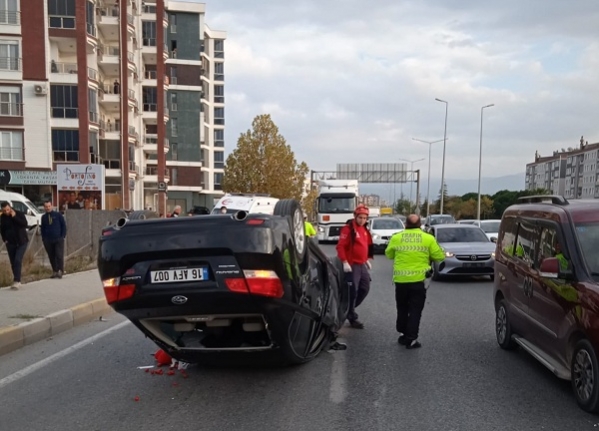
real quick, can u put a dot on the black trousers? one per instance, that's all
(55, 250)
(409, 300)
(15, 255)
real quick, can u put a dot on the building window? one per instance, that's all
(63, 100)
(90, 19)
(148, 32)
(218, 179)
(219, 72)
(219, 94)
(219, 160)
(173, 23)
(174, 151)
(219, 48)
(174, 176)
(219, 138)
(94, 148)
(9, 12)
(174, 106)
(93, 105)
(150, 99)
(10, 102)
(219, 116)
(173, 75)
(174, 127)
(61, 13)
(11, 146)
(65, 145)
(9, 55)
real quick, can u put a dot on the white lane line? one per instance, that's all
(338, 390)
(50, 359)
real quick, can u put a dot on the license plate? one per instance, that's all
(474, 265)
(179, 275)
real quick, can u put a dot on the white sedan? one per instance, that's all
(382, 228)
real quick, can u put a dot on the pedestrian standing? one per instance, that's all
(412, 252)
(54, 231)
(13, 229)
(355, 249)
(176, 211)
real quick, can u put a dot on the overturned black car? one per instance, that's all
(225, 286)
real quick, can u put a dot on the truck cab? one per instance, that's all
(337, 200)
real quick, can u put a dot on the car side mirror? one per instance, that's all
(29, 212)
(494, 239)
(550, 267)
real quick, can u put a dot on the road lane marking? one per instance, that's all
(338, 390)
(55, 357)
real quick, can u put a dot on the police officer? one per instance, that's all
(412, 252)
(310, 231)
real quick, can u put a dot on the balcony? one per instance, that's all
(149, 9)
(131, 23)
(151, 174)
(109, 17)
(8, 109)
(109, 97)
(131, 96)
(133, 168)
(150, 112)
(109, 60)
(131, 62)
(92, 74)
(94, 117)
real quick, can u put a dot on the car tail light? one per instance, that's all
(255, 222)
(107, 232)
(264, 282)
(114, 291)
(258, 282)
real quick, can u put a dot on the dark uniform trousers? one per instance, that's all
(409, 300)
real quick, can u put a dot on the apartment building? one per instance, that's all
(89, 82)
(572, 172)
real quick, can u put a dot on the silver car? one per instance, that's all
(468, 251)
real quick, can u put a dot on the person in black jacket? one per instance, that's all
(13, 228)
(54, 231)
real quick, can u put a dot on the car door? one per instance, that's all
(517, 250)
(553, 297)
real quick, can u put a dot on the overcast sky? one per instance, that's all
(351, 81)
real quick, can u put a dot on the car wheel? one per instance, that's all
(585, 376)
(503, 329)
(291, 208)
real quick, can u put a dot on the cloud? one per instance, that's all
(353, 82)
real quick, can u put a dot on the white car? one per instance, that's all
(382, 229)
(491, 228)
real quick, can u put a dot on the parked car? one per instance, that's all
(468, 251)
(547, 288)
(382, 229)
(215, 287)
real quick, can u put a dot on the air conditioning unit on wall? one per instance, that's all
(40, 89)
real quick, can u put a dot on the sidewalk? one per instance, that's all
(44, 308)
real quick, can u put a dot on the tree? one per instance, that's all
(445, 196)
(403, 206)
(264, 163)
(309, 202)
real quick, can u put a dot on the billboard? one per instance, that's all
(80, 186)
(374, 172)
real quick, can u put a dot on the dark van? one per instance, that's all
(547, 288)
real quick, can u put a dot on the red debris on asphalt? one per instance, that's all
(136, 398)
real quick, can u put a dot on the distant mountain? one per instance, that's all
(454, 187)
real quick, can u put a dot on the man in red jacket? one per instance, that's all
(354, 249)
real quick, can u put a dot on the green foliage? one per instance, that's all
(264, 163)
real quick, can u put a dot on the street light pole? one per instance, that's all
(480, 157)
(412, 170)
(428, 182)
(444, 145)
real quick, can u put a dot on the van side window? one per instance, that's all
(508, 227)
(525, 246)
(551, 247)
(20, 206)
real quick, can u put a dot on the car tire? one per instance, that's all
(585, 376)
(291, 209)
(503, 329)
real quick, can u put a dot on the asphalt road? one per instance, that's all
(458, 380)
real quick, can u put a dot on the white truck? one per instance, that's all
(337, 200)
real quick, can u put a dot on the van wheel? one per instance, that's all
(585, 376)
(503, 329)
(291, 209)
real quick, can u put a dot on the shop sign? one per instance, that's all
(27, 178)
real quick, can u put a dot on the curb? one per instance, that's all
(26, 333)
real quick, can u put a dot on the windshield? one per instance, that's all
(490, 226)
(336, 205)
(387, 224)
(32, 207)
(441, 220)
(588, 237)
(457, 234)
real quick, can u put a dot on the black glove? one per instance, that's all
(429, 273)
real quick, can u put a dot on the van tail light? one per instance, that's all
(114, 291)
(257, 282)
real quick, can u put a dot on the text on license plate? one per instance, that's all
(474, 265)
(178, 275)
